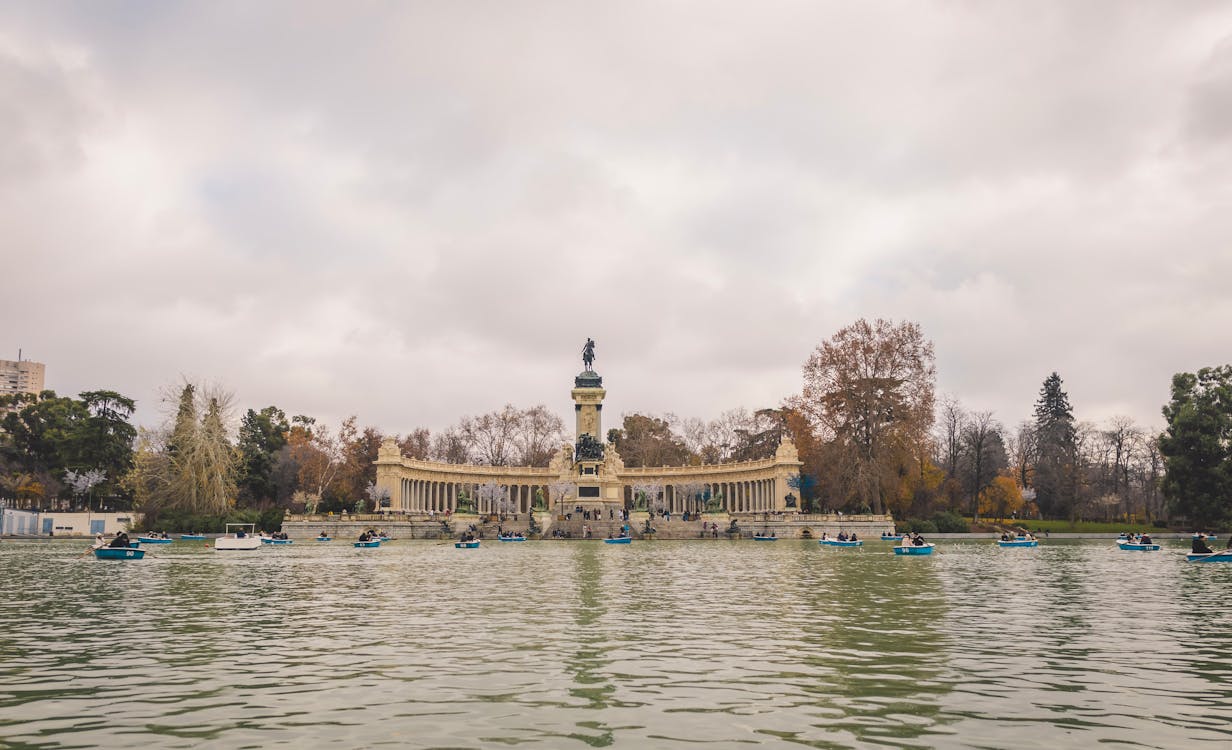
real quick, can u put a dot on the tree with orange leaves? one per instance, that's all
(869, 388)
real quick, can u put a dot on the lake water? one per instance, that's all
(655, 644)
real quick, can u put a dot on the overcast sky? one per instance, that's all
(413, 212)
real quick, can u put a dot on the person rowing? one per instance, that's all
(1199, 546)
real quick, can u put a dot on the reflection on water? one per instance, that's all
(652, 644)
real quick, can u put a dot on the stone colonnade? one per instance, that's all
(417, 495)
(423, 487)
(748, 496)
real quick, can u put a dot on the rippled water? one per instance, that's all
(565, 644)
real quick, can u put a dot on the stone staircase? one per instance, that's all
(574, 528)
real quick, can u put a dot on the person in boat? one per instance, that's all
(852, 538)
(917, 540)
(121, 540)
(99, 541)
(1145, 539)
(323, 535)
(1199, 545)
(364, 536)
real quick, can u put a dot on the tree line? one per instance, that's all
(871, 432)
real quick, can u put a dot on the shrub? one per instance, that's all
(920, 526)
(948, 522)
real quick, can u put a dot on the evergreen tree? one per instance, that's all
(181, 483)
(262, 435)
(1056, 450)
(1197, 446)
(103, 439)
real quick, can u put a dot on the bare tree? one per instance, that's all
(490, 437)
(1124, 440)
(983, 455)
(417, 443)
(451, 447)
(1085, 453)
(951, 422)
(537, 435)
(1022, 452)
(694, 432)
(318, 454)
(1152, 469)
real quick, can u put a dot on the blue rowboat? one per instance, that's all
(920, 549)
(325, 539)
(511, 538)
(267, 540)
(619, 540)
(119, 553)
(466, 545)
(1019, 543)
(842, 543)
(192, 537)
(1221, 556)
(1136, 547)
(891, 537)
(153, 540)
(385, 538)
(763, 538)
(372, 543)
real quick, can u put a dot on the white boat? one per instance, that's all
(239, 536)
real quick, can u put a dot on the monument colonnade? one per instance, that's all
(416, 486)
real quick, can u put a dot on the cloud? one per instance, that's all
(415, 212)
